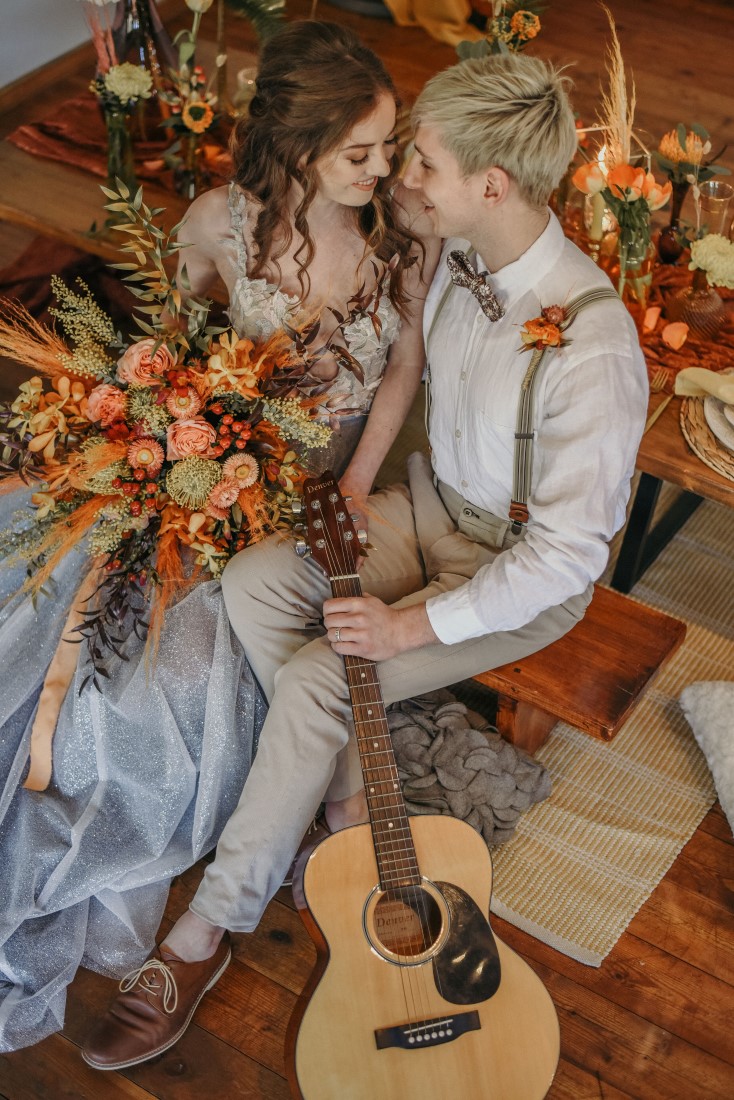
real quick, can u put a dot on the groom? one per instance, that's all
(490, 552)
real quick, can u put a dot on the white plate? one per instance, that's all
(720, 421)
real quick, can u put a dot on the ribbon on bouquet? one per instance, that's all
(55, 686)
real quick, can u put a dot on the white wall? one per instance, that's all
(33, 32)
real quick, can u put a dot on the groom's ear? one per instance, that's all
(496, 185)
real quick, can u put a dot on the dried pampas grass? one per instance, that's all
(617, 113)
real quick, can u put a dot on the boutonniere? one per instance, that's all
(545, 331)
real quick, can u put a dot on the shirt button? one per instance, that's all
(465, 485)
(463, 376)
(457, 433)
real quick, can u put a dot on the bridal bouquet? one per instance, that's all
(166, 455)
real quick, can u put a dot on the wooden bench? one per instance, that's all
(591, 678)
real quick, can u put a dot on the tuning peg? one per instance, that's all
(296, 506)
(302, 548)
(362, 536)
(354, 517)
(347, 499)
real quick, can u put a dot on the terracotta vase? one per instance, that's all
(699, 306)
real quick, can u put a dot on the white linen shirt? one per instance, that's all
(590, 408)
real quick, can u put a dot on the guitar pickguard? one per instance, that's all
(467, 969)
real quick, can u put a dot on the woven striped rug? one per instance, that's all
(583, 862)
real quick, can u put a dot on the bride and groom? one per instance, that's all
(470, 565)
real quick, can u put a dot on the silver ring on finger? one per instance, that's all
(337, 635)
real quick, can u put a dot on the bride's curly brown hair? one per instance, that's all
(315, 82)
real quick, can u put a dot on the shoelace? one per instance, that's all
(142, 975)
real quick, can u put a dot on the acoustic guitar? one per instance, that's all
(413, 997)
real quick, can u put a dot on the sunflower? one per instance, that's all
(198, 116)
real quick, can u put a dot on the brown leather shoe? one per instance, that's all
(154, 1008)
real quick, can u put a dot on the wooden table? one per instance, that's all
(664, 455)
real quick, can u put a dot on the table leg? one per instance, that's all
(642, 542)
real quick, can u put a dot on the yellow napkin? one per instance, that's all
(697, 382)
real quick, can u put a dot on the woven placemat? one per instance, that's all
(702, 440)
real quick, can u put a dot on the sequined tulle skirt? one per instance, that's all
(145, 775)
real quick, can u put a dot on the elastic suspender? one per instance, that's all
(524, 433)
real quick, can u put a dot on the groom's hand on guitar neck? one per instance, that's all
(364, 626)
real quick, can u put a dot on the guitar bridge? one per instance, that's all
(427, 1033)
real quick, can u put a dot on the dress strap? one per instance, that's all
(237, 203)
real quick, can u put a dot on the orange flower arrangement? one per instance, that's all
(545, 331)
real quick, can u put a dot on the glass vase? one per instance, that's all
(140, 38)
(669, 248)
(190, 177)
(120, 163)
(634, 278)
(699, 306)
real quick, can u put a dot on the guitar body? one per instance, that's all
(414, 998)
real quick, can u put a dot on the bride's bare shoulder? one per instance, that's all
(208, 217)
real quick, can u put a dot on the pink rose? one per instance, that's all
(106, 403)
(189, 437)
(139, 368)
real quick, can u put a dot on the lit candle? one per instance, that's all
(597, 217)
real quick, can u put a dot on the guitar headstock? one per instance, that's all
(331, 535)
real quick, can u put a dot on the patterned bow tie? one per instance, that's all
(464, 275)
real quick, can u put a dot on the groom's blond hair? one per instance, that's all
(506, 111)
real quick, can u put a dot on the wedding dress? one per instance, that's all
(147, 771)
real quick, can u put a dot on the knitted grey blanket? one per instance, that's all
(452, 762)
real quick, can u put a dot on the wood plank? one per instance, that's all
(645, 980)
(665, 454)
(699, 933)
(621, 645)
(716, 824)
(56, 1071)
(624, 1049)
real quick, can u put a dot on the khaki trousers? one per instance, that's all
(274, 600)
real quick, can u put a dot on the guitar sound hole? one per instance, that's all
(407, 921)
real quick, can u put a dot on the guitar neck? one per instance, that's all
(393, 840)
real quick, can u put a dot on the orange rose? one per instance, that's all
(189, 437)
(589, 178)
(656, 194)
(540, 333)
(106, 404)
(626, 182)
(140, 367)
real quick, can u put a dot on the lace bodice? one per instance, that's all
(257, 308)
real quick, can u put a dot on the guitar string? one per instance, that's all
(398, 845)
(418, 892)
(411, 995)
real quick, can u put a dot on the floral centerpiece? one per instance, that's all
(510, 26)
(698, 305)
(119, 89)
(681, 155)
(167, 454)
(192, 107)
(630, 191)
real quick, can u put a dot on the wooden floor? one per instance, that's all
(655, 1021)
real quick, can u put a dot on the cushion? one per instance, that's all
(709, 708)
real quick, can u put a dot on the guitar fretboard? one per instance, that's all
(396, 859)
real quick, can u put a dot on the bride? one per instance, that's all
(147, 771)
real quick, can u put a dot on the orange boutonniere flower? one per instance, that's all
(545, 331)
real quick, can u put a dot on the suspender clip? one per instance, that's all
(518, 514)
